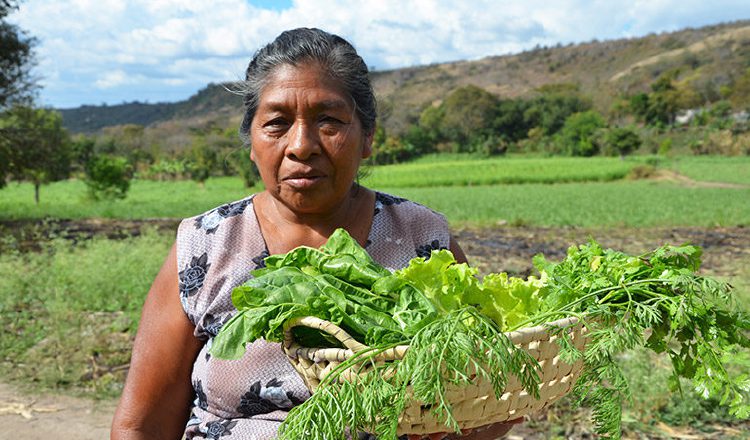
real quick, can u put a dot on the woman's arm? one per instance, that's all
(457, 252)
(155, 402)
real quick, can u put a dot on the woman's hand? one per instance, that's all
(487, 432)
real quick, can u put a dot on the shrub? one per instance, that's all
(108, 177)
(246, 168)
(489, 146)
(665, 147)
(393, 150)
(642, 172)
(577, 137)
(621, 141)
(166, 169)
(202, 160)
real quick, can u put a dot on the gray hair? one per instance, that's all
(335, 55)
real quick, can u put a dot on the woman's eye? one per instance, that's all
(330, 122)
(275, 124)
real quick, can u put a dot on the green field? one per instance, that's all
(638, 204)
(503, 170)
(146, 199)
(714, 169)
(69, 312)
(536, 191)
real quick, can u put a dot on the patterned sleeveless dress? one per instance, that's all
(250, 397)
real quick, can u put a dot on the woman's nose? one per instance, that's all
(303, 142)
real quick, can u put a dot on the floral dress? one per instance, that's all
(248, 398)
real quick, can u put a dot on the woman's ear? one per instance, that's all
(252, 154)
(367, 144)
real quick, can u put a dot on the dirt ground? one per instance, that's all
(44, 416)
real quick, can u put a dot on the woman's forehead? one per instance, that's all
(308, 84)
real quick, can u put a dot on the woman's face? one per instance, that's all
(307, 139)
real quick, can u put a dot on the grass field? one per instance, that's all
(430, 172)
(146, 199)
(639, 203)
(713, 169)
(68, 313)
(545, 191)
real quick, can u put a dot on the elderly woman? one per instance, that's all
(310, 118)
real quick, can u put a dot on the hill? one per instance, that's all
(709, 58)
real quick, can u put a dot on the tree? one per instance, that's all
(550, 110)
(431, 126)
(202, 161)
(246, 168)
(16, 60)
(36, 146)
(510, 123)
(622, 141)
(82, 151)
(108, 177)
(468, 114)
(661, 105)
(740, 91)
(577, 135)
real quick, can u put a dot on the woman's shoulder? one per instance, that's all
(405, 208)
(403, 229)
(209, 221)
(220, 234)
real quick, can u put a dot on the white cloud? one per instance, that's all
(117, 78)
(160, 44)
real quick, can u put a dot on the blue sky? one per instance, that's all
(115, 51)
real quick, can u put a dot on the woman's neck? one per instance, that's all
(285, 229)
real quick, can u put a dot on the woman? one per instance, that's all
(310, 118)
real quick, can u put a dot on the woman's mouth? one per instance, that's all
(302, 181)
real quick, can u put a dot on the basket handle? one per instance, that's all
(327, 326)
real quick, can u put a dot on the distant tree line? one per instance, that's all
(558, 120)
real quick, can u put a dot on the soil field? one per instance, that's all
(26, 415)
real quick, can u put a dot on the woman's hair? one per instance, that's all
(303, 45)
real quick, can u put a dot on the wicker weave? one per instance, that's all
(473, 405)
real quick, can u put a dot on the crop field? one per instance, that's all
(538, 191)
(639, 203)
(494, 171)
(714, 169)
(146, 199)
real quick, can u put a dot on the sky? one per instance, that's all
(91, 52)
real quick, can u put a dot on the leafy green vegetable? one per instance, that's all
(623, 298)
(338, 282)
(453, 324)
(506, 300)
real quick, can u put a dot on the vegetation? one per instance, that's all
(453, 323)
(513, 190)
(57, 290)
(68, 314)
(107, 177)
(468, 170)
(16, 60)
(35, 145)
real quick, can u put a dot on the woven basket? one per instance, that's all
(473, 405)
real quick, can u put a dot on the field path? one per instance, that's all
(46, 416)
